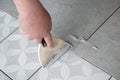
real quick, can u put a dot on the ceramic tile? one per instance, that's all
(107, 39)
(18, 57)
(4, 77)
(81, 17)
(9, 7)
(7, 24)
(70, 67)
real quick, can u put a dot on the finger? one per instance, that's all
(49, 40)
(29, 37)
(37, 40)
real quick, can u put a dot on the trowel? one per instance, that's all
(48, 56)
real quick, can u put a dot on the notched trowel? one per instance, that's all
(47, 56)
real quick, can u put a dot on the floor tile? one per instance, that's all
(80, 17)
(70, 67)
(7, 24)
(18, 57)
(73, 16)
(107, 39)
(9, 7)
(4, 77)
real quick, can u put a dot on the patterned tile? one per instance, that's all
(3, 76)
(7, 24)
(18, 57)
(70, 67)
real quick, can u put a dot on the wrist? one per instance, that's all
(24, 6)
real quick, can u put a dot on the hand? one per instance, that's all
(35, 23)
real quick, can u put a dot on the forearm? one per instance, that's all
(27, 5)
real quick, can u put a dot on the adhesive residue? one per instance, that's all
(83, 40)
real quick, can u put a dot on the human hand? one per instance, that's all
(35, 23)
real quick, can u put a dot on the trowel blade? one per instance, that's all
(48, 56)
(58, 55)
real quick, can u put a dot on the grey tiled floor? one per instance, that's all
(19, 57)
(19, 61)
(107, 39)
(7, 25)
(81, 17)
(70, 67)
(3, 76)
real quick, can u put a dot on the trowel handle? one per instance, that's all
(43, 42)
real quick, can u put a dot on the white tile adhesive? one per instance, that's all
(83, 40)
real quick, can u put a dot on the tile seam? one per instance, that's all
(34, 73)
(104, 22)
(8, 35)
(6, 74)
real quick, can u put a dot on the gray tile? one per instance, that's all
(81, 17)
(18, 57)
(107, 39)
(7, 24)
(73, 16)
(9, 7)
(70, 67)
(3, 76)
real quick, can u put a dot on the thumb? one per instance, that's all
(49, 40)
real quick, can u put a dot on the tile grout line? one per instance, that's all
(8, 35)
(8, 13)
(104, 22)
(97, 67)
(11, 34)
(34, 73)
(110, 78)
(96, 31)
(5, 39)
(12, 31)
(6, 74)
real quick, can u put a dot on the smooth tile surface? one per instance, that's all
(107, 39)
(7, 24)
(9, 7)
(4, 77)
(18, 57)
(81, 17)
(70, 67)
